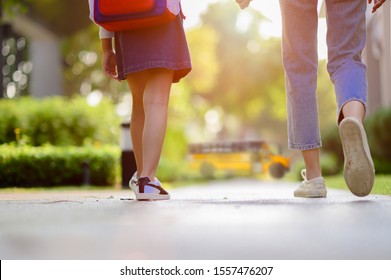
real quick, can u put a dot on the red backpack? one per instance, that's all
(118, 15)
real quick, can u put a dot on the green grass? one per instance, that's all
(382, 184)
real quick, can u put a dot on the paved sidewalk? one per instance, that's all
(236, 219)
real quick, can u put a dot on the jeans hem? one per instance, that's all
(304, 147)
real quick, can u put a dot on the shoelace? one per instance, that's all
(304, 174)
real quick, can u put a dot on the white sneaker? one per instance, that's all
(133, 181)
(147, 190)
(313, 188)
(359, 171)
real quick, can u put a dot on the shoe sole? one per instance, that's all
(149, 196)
(359, 172)
(322, 195)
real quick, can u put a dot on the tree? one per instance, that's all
(61, 17)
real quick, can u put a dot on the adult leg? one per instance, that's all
(312, 163)
(346, 40)
(300, 59)
(346, 36)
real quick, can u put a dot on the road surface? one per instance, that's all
(232, 220)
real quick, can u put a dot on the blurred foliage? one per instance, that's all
(378, 129)
(17, 68)
(58, 121)
(331, 143)
(61, 17)
(379, 138)
(13, 7)
(53, 166)
(83, 66)
(379, 133)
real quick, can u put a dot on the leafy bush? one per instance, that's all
(332, 145)
(57, 121)
(51, 166)
(379, 138)
(330, 164)
(169, 170)
(173, 159)
(382, 166)
(379, 134)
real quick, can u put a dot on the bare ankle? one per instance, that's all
(313, 173)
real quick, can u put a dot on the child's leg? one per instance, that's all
(137, 83)
(156, 96)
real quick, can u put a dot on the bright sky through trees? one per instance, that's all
(269, 8)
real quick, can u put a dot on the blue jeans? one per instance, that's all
(346, 36)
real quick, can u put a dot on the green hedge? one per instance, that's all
(332, 145)
(58, 121)
(51, 166)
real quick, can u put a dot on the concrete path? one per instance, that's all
(236, 219)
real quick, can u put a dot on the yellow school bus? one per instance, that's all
(245, 157)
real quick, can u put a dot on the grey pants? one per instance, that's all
(345, 41)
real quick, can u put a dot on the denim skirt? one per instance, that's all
(163, 46)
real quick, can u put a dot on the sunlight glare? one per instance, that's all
(269, 8)
(243, 21)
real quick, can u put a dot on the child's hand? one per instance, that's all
(110, 64)
(376, 4)
(245, 3)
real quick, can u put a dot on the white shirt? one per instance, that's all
(172, 5)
